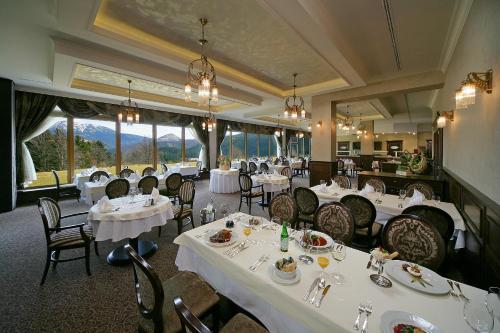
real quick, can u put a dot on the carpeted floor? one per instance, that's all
(71, 301)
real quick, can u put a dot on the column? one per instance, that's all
(8, 193)
(70, 149)
(212, 139)
(367, 143)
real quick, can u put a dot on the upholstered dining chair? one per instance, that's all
(172, 183)
(285, 162)
(96, 175)
(66, 190)
(276, 161)
(147, 184)
(284, 207)
(248, 191)
(125, 173)
(264, 168)
(377, 184)
(341, 167)
(365, 230)
(252, 167)
(60, 238)
(288, 172)
(148, 171)
(335, 220)
(117, 188)
(423, 188)
(307, 204)
(303, 168)
(158, 316)
(185, 208)
(190, 323)
(439, 218)
(415, 239)
(342, 181)
(243, 167)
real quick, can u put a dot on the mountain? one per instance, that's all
(172, 140)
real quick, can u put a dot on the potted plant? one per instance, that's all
(224, 162)
(404, 168)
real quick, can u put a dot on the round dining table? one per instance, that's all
(128, 218)
(224, 181)
(270, 183)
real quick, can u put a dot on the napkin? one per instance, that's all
(275, 172)
(416, 199)
(367, 189)
(333, 186)
(155, 195)
(104, 205)
(103, 179)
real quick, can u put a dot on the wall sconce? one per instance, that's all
(466, 94)
(319, 124)
(442, 119)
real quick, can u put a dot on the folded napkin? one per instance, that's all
(416, 199)
(367, 189)
(104, 205)
(103, 179)
(333, 186)
(155, 195)
(275, 172)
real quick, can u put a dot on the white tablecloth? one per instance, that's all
(296, 165)
(389, 208)
(224, 181)
(80, 181)
(131, 220)
(281, 308)
(186, 170)
(271, 182)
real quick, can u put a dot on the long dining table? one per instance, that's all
(281, 308)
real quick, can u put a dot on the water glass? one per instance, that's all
(478, 317)
(493, 301)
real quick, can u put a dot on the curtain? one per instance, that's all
(79, 108)
(221, 133)
(201, 136)
(278, 146)
(31, 110)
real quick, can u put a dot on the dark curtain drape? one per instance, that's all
(203, 137)
(221, 133)
(79, 108)
(31, 110)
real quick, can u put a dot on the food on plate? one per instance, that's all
(221, 236)
(380, 253)
(412, 269)
(406, 328)
(314, 240)
(286, 265)
(253, 221)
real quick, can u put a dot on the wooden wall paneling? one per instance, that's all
(491, 273)
(321, 170)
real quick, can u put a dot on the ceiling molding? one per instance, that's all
(382, 108)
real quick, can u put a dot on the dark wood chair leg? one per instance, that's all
(95, 248)
(159, 231)
(56, 257)
(46, 269)
(87, 258)
(179, 226)
(192, 220)
(249, 205)
(241, 201)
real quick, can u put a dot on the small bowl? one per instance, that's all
(285, 275)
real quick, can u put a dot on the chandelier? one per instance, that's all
(361, 127)
(279, 131)
(348, 123)
(201, 75)
(210, 122)
(297, 106)
(129, 109)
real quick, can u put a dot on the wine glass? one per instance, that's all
(338, 252)
(247, 231)
(305, 243)
(402, 196)
(493, 301)
(323, 262)
(478, 317)
(224, 209)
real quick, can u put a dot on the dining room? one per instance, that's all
(250, 166)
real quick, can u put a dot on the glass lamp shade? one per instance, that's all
(137, 118)
(294, 114)
(215, 95)
(187, 92)
(285, 113)
(469, 93)
(277, 133)
(441, 122)
(120, 117)
(303, 113)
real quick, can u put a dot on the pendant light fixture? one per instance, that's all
(297, 105)
(129, 109)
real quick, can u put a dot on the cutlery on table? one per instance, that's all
(311, 288)
(325, 291)
(361, 309)
(369, 264)
(460, 290)
(321, 285)
(452, 291)
(234, 248)
(239, 250)
(259, 262)
(368, 311)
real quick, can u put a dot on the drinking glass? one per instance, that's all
(402, 197)
(323, 262)
(247, 231)
(338, 252)
(493, 301)
(224, 209)
(478, 317)
(306, 245)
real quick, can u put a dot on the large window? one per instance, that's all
(238, 145)
(275, 142)
(48, 150)
(136, 146)
(264, 146)
(94, 144)
(252, 145)
(193, 148)
(169, 145)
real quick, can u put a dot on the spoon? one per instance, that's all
(321, 285)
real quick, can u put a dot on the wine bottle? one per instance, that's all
(284, 238)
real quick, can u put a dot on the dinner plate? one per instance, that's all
(279, 280)
(329, 241)
(246, 222)
(234, 238)
(390, 319)
(438, 286)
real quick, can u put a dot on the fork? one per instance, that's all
(234, 248)
(368, 311)
(239, 250)
(256, 265)
(361, 309)
(461, 293)
(452, 291)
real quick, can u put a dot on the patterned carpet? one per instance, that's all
(71, 301)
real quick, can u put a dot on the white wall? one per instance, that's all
(471, 143)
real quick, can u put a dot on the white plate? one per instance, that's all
(329, 241)
(245, 221)
(279, 280)
(234, 238)
(439, 284)
(390, 319)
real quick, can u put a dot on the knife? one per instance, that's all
(311, 288)
(369, 262)
(325, 291)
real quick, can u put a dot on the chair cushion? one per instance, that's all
(69, 237)
(364, 232)
(242, 324)
(198, 296)
(253, 194)
(186, 211)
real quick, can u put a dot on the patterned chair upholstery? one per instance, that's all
(148, 171)
(96, 175)
(117, 188)
(415, 239)
(285, 162)
(60, 238)
(276, 161)
(364, 213)
(377, 184)
(185, 208)
(66, 190)
(156, 315)
(173, 183)
(264, 168)
(341, 167)
(284, 207)
(248, 191)
(252, 167)
(125, 173)
(335, 220)
(288, 172)
(239, 323)
(439, 218)
(164, 168)
(343, 181)
(147, 184)
(243, 167)
(307, 204)
(423, 188)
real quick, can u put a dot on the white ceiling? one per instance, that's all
(258, 44)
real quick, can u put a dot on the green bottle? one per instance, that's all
(284, 238)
